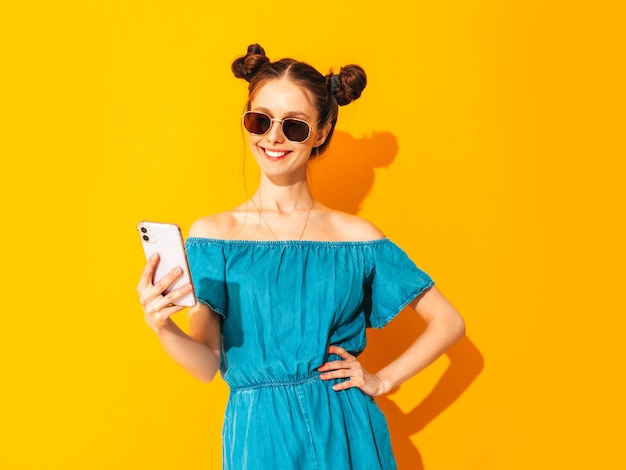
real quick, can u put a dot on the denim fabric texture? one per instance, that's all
(283, 304)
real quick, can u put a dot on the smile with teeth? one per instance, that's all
(274, 153)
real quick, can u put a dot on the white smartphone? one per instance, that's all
(167, 241)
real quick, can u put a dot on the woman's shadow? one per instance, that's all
(341, 179)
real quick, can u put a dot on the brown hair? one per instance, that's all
(256, 68)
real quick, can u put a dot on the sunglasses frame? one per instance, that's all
(281, 121)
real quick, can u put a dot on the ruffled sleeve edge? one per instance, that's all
(217, 310)
(402, 305)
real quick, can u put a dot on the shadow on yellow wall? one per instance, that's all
(341, 180)
(465, 365)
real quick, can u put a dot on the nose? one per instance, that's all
(275, 134)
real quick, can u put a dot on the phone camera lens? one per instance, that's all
(144, 230)
(146, 237)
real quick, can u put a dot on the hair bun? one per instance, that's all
(247, 66)
(352, 81)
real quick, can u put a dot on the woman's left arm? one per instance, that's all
(444, 327)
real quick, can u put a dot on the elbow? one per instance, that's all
(458, 327)
(206, 369)
(205, 378)
(452, 326)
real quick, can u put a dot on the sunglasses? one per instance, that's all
(294, 129)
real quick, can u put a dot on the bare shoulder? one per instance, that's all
(226, 225)
(211, 226)
(348, 227)
(325, 224)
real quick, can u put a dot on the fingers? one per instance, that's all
(339, 351)
(147, 291)
(350, 373)
(160, 302)
(347, 368)
(334, 365)
(168, 279)
(161, 308)
(157, 306)
(148, 272)
(346, 357)
(350, 383)
(160, 316)
(354, 376)
(340, 370)
(177, 294)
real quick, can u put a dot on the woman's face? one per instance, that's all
(277, 156)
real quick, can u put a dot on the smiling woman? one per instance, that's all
(286, 289)
(283, 151)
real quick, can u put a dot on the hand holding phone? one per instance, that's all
(166, 240)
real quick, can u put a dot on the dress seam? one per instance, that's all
(270, 243)
(308, 427)
(313, 377)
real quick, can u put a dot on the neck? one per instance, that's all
(285, 198)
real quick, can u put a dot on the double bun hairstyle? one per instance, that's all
(328, 91)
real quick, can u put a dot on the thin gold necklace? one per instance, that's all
(306, 221)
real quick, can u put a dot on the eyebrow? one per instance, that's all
(288, 114)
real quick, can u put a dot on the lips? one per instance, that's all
(275, 154)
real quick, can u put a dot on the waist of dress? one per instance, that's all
(312, 377)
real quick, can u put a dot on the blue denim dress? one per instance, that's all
(283, 304)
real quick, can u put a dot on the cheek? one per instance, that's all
(253, 140)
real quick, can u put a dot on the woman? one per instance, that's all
(286, 288)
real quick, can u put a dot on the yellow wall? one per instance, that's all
(489, 143)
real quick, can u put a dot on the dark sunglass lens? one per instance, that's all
(256, 123)
(296, 131)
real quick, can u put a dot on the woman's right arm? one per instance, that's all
(197, 352)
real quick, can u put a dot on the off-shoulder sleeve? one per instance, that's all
(393, 283)
(206, 262)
